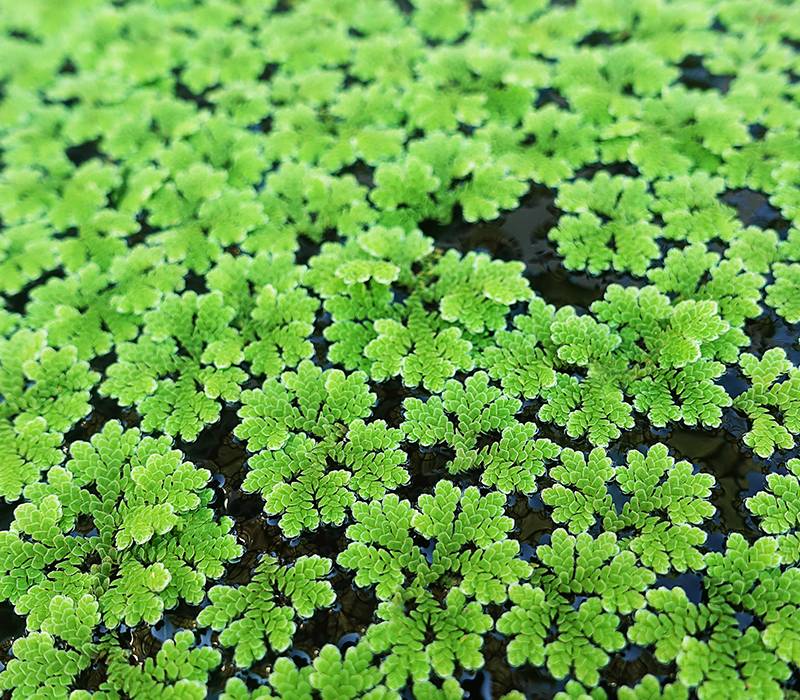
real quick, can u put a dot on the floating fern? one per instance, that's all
(154, 544)
(250, 618)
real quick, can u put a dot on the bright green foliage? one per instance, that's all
(356, 291)
(281, 324)
(575, 566)
(142, 278)
(735, 291)
(236, 689)
(471, 545)
(594, 406)
(783, 294)
(299, 485)
(450, 690)
(733, 574)
(675, 618)
(413, 617)
(563, 143)
(649, 689)
(372, 453)
(584, 636)
(38, 381)
(587, 565)
(489, 190)
(749, 576)
(422, 350)
(287, 157)
(187, 344)
(772, 406)
(381, 548)
(519, 358)
(155, 540)
(731, 665)
(477, 408)
(528, 622)
(476, 292)
(593, 403)
(681, 128)
(46, 662)
(239, 279)
(487, 570)
(623, 239)
(670, 348)
(752, 165)
(253, 618)
(381, 254)
(575, 691)
(580, 339)
(711, 652)
(275, 314)
(77, 311)
(311, 421)
(514, 462)
(348, 678)
(656, 484)
(286, 680)
(778, 507)
(408, 184)
(338, 267)
(27, 250)
(177, 671)
(308, 401)
(41, 668)
(579, 494)
(26, 450)
(756, 248)
(690, 209)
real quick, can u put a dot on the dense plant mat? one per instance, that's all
(426, 349)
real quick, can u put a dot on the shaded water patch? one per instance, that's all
(718, 452)
(696, 76)
(753, 209)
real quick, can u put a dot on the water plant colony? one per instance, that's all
(263, 434)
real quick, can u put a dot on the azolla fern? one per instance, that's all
(380, 350)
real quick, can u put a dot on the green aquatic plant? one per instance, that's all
(151, 541)
(178, 670)
(476, 407)
(309, 422)
(27, 449)
(186, 358)
(46, 663)
(663, 502)
(584, 636)
(777, 505)
(308, 401)
(667, 501)
(435, 285)
(772, 406)
(253, 616)
(38, 381)
(475, 291)
(332, 676)
(409, 618)
(623, 238)
(711, 652)
(421, 349)
(471, 545)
